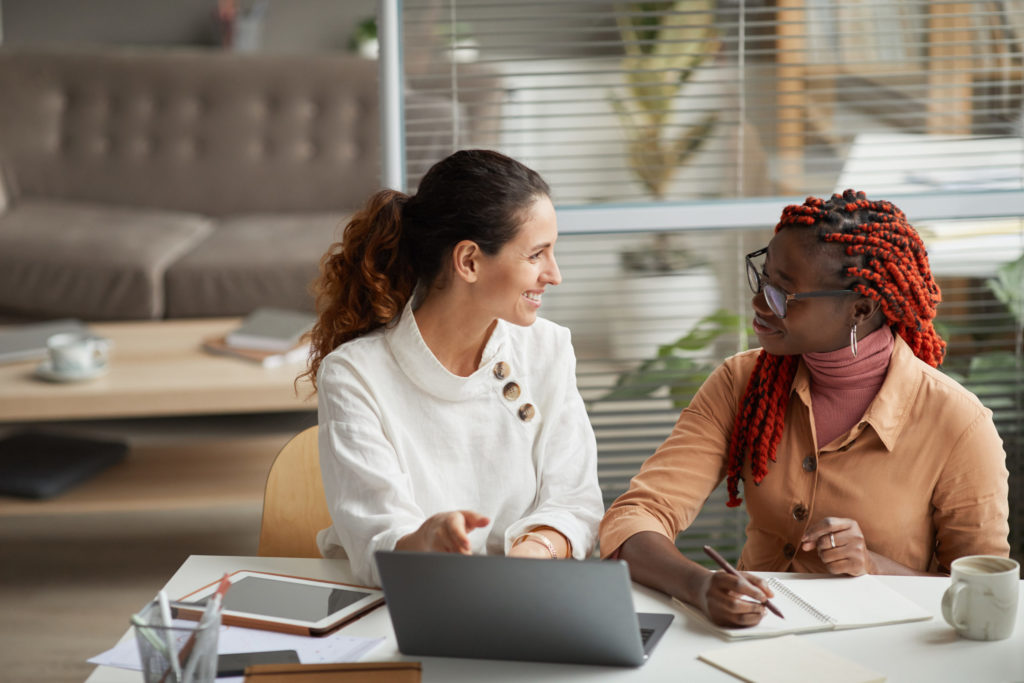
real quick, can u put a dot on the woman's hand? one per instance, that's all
(841, 546)
(730, 602)
(530, 549)
(445, 532)
(535, 548)
(655, 561)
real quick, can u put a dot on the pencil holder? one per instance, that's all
(184, 652)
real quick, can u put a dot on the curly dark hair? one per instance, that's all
(397, 240)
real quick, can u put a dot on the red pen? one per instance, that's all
(724, 564)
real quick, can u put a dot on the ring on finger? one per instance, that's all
(832, 539)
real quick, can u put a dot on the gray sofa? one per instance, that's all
(148, 184)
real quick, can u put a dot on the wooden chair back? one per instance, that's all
(294, 506)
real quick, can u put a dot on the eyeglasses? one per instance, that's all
(776, 298)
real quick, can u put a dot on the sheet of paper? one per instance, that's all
(311, 650)
(787, 659)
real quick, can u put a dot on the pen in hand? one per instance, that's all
(724, 564)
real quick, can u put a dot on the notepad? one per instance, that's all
(267, 359)
(789, 659)
(823, 604)
(271, 329)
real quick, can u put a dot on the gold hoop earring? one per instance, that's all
(853, 339)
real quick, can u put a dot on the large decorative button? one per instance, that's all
(511, 391)
(789, 550)
(810, 463)
(526, 412)
(502, 370)
(799, 512)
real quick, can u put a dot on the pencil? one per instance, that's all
(724, 564)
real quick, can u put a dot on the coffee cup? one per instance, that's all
(74, 353)
(981, 602)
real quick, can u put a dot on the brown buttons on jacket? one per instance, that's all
(511, 391)
(502, 370)
(789, 550)
(810, 464)
(800, 512)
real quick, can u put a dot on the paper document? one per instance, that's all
(789, 659)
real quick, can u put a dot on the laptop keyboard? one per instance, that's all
(645, 634)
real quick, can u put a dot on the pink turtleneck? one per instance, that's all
(842, 386)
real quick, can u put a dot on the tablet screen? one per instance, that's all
(284, 599)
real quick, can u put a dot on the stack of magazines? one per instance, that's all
(267, 336)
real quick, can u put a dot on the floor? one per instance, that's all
(69, 583)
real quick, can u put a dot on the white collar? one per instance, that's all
(420, 364)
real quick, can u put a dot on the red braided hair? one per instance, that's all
(891, 267)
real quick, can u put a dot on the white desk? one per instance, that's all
(920, 651)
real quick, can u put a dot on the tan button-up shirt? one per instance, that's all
(923, 473)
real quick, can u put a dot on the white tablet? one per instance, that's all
(291, 604)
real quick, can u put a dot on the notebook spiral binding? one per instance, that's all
(780, 587)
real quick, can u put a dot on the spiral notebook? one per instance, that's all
(823, 604)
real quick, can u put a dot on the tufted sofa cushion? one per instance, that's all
(93, 261)
(252, 261)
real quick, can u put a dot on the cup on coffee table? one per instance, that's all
(981, 602)
(77, 353)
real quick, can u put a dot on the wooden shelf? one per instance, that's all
(168, 476)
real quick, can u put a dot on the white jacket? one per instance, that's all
(402, 438)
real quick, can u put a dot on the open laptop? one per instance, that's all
(492, 607)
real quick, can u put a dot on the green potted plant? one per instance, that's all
(680, 367)
(665, 42)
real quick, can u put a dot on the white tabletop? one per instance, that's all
(919, 651)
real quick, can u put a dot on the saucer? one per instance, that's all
(45, 370)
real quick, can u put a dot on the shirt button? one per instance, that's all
(810, 464)
(789, 550)
(526, 412)
(511, 391)
(800, 512)
(502, 370)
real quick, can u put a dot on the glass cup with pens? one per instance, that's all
(179, 651)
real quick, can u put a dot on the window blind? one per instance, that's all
(673, 133)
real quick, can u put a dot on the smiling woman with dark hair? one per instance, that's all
(448, 411)
(856, 455)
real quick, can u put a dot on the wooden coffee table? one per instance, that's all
(159, 370)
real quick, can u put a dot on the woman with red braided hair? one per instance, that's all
(856, 455)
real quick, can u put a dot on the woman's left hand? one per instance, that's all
(841, 546)
(531, 549)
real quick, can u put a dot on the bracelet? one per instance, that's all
(537, 538)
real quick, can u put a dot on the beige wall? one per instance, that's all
(291, 25)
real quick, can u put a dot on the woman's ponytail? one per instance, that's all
(365, 279)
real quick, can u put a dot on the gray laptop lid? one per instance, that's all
(492, 607)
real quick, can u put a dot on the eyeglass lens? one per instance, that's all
(773, 296)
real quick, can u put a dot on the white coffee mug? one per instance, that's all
(76, 352)
(981, 603)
